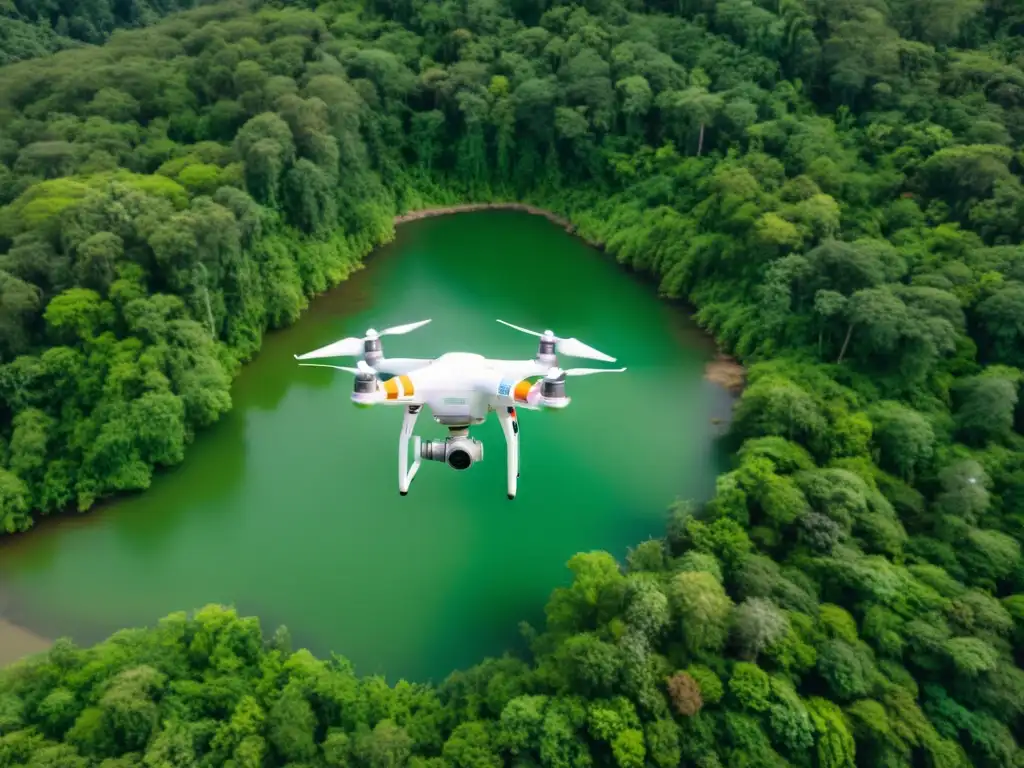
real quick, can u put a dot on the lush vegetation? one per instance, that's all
(31, 28)
(835, 185)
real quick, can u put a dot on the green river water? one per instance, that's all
(289, 508)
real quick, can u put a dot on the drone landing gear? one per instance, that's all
(510, 426)
(405, 473)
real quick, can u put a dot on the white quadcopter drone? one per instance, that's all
(460, 388)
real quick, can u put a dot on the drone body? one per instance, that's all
(460, 389)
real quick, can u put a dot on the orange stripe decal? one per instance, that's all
(391, 388)
(522, 390)
(407, 388)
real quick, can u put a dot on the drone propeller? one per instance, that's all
(571, 347)
(557, 373)
(361, 367)
(353, 346)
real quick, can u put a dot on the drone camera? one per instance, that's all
(458, 452)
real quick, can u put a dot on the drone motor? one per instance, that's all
(364, 387)
(553, 389)
(365, 384)
(372, 352)
(552, 392)
(546, 350)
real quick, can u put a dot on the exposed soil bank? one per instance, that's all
(723, 370)
(726, 372)
(17, 642)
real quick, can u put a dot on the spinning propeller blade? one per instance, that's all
(398, 330)
(345, 348)
(524, 330)
(361, 367)
(353, 347)
(325, 365)
(571, 347)
(588, 371)
(555, 373)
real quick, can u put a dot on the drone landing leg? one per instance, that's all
(510, 426)
(405, 474)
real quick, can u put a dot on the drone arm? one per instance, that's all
(511, 389)
(510, 426)
(405, 473)
(509, 392)
(399, 390)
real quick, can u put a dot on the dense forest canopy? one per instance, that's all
(836, 186)
(31, 28)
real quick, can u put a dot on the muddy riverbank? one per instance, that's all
(17, 642)
(726, 372)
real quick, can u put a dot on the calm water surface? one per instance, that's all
(289, 508)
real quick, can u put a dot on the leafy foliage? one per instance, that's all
(835, 186)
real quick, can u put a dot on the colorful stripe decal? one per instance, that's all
(391, 389)
(407, 388)
(522, 390)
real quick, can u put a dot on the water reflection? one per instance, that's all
(215, 466)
